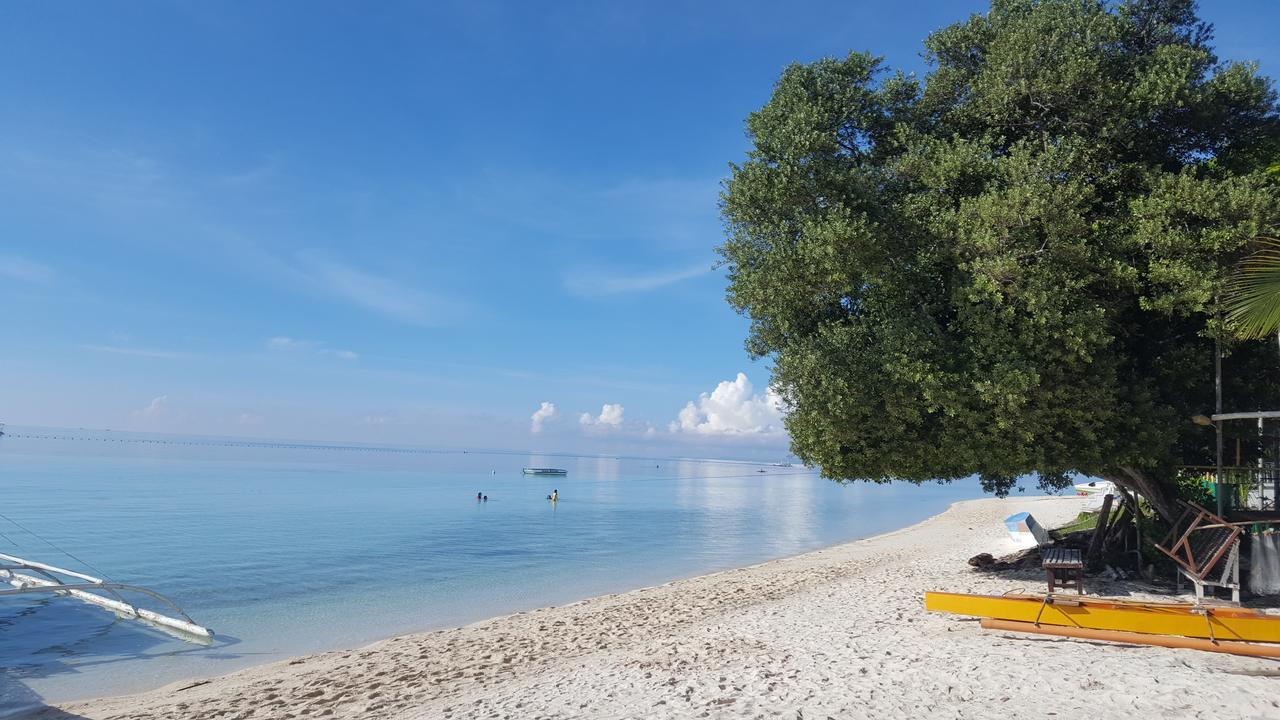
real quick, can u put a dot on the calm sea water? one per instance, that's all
(284, 550)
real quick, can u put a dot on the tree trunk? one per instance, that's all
(1161, 497)
(1094, 556)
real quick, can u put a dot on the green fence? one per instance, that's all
(1244, 487)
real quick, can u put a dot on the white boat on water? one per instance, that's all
(545, 471)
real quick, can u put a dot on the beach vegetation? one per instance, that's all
(1083, 521)
(1253, 292)
(1014, 264)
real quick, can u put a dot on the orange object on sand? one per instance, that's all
(1132, 638)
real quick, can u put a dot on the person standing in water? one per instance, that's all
(479, 496)
(555, 495)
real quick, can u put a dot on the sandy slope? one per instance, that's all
(836, 633)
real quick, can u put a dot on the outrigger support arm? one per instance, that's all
(47, 581)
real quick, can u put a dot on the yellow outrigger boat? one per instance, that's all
(1184, 619)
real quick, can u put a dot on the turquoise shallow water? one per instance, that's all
(287, 549)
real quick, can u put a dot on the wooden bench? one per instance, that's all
(1064, 568)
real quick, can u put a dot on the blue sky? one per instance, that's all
(403, 222)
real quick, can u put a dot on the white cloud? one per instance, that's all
(733, 408)
(283, 343)
(250, 419)
(543, 414)
(610, 416)
(379, 294)
(23, 270)
(157, 407)
(590, 283)
(136, 352)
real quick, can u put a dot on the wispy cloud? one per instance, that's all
(590, 283)
(281, 343)
(137, 352)
(673, 213)
(158, 406)
(377, 293)
(23, 270)
(130, 180)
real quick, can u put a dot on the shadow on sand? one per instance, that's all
(19, 701)
(71, 638)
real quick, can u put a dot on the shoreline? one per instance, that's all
(756, 640)
(285, 658)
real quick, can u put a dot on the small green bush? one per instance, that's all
(1195, 486)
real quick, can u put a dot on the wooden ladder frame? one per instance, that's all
(1179, 540)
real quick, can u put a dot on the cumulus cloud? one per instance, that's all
(610, 416)
(733, 408)
(542, 415)
(157, 407)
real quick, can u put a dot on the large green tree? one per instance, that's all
(1013, 265)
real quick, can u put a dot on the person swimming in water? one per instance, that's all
(486, 498)
(479, 496)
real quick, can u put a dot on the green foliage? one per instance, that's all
(1196, 486)
(1011, 265)
(1083, 521)
(1253, 294)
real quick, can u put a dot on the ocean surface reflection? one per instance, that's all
(293, 549)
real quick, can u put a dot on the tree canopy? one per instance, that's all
(1012, 265)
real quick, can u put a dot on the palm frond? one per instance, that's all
(1253, 293)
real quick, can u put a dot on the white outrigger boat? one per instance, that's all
(28, 576)
(1096, 487)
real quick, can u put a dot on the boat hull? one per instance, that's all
(1125, 616)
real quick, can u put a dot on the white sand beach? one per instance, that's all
(838, 633)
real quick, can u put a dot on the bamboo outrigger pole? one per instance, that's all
(1222, 646)
(18, 572)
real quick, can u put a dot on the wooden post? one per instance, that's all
(1099, 532)
(1217, 425)
(1116, 528)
